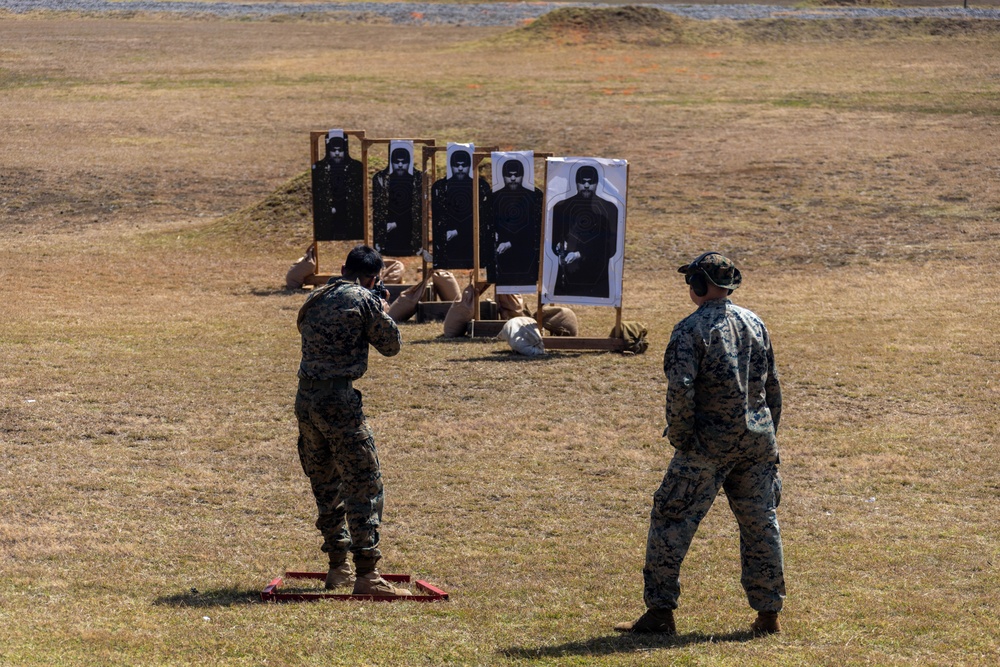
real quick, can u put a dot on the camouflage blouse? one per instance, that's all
(337, 322)
(723, 395)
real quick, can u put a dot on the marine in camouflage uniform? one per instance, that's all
(723, 405)
(336, 446)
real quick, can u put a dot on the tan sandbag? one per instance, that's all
(560, 321)
(392, 272)
(634, 335)
(522, 334)
(446, 285)
(460, 314)
(510, 306)
(405, 304)
(304, 267)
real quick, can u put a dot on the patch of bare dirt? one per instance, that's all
(629, 24)
(650, 26)
(44, 201)
(858, 29)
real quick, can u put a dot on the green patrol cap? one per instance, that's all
(718, 268)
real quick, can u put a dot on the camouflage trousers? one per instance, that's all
(337, 452)
(689, 488)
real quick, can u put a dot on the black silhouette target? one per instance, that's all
(458, 200)
(585, 220)
(400, 201)
(337, 200)
(585, 229)
(339, 192)
(512, 214)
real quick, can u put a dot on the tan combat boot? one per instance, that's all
(339, 575)
(654, 621)
(373, 584)
(766, 623)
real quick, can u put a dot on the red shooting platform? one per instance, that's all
(429, 593)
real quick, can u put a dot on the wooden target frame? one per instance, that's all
(318, 278)
(430, 159)
(609, 344)
(429, 151)
(490, 328)
(366, 145)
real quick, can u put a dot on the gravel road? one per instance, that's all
(489, 14)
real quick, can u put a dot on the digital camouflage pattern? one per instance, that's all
(723, 406)
(337, 323)
(337, 453)
(336, 446)
(723, 393)
(689, 488)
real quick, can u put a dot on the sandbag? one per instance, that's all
(392, 272)
(304, 267)
(522, 334)
(559, 321)
(510, 306)
(460, 314)
(446, 285)
(405, 304)
(634, 334)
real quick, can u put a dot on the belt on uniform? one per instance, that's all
(332, 383)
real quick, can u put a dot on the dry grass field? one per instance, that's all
(149, 208)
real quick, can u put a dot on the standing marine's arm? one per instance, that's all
(680, 364)
(311, 300)
(382, 332)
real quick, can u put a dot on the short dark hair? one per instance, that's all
(364, 261)
(399, 154)
(462, 155)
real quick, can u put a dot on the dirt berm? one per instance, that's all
(649, 26)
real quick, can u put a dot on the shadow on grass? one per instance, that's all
(219, 597)
(452, 340)
(258, 291)
(624, 643)
(509, 356)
